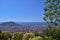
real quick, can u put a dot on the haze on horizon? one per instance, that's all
(21, 10)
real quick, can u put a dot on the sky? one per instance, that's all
(21, 10)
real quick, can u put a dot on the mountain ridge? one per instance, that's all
(14, 27)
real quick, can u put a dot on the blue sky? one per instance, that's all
(21, 10)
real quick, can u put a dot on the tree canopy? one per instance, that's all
(52, 11)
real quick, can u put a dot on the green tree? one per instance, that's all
(52, 11)
(48, 38)
(36, 33)
(0, 35)
(6, 35)
(49, 31)
(17, 36)
(27, 36)
(57, 36)
(36, 38)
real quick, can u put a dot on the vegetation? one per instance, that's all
(27, 36)
(17, 36)
(48, 34)
(36, 38)
(52, 16)
(5, 35)
(52, 11)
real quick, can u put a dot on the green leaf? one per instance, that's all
(53, 0)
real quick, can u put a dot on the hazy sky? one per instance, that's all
(21, 10)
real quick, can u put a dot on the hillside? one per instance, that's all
(14, 27)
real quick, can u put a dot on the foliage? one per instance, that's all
(57, 36)
(52, 11)
(49, 31)
(52, 16)
(28, 35)
(0, 34)
(36, 38)
(48, 34)
(52, 33)
(37, 34)
(18, 36)
(6, 35)
(48, 38)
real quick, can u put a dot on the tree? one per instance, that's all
(37, 38)
(52, 11)
(0, 34)
(36, 33)
(49, 31)
(18, 36)
(27, 36)
(57, 36)
(6, 35)
(48, 38)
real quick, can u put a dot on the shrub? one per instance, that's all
(37, 38)
(28, 35)
(6, 35)
(0, 34)
(57, 36)
(17, 36)
(48, 38)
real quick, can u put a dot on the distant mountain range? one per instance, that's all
(9, 24)
(32, 23)
(22, 27)
(26, 23)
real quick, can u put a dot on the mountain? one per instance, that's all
(9, 24)
(15, 27)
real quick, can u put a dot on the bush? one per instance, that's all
(28, 35)
(37, 34)
(57, 36)
(0, 34)
(17, 36)
(48, 38)
(52, 33)
(6, 35)
(37, 38)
